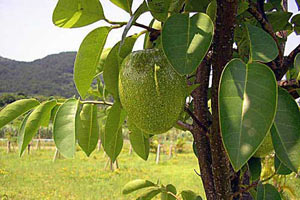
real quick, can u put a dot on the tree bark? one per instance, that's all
(222, 53)
(201, 136)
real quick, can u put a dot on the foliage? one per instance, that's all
(247, 96)
(49, 76)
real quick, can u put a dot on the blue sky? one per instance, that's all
(27, 32)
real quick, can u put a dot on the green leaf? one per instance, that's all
(247, 104)
(211, 10)
(169, 189)
(150, 193)
(46, 120)
(267, 192)
(280, 20)
(74, 14)
(297, 66)
(280, 168)
(186, 40)
(159, 8)
(16, 109)
(189, 195)
(136, 185)
(124, 4)
(196, 5)
(112, 139)
(262, 46)
(64, 128)
(255, 168)
(53, 112)
(286, 131)
(242, 7)
(33, 122)
(176, 5)
(87, 128)
(102, 60)
(139, 11)
(88, 58)
(22, 131)
(138, 140)
(113, 63)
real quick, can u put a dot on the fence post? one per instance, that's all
(8, 146)
(158, 154)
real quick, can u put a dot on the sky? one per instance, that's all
(27, 32)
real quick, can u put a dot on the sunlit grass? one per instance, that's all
(36, 176)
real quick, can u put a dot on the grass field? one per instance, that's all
(36, 176)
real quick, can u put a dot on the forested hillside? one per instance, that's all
(49, 76)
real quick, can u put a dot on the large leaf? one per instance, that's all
(286, 131)
(112, 139)
(16, 109)
(138, 140)
(73, 14)
(262, 46)
(88, 58)
(159, 8)
(280, 168)
(33, 122)
(139, 11)
(186, 40)
(267, 192)
(64, 128)
(113, 63)
(247, 104)
(124, 4)
(87, 128)
(136, 185)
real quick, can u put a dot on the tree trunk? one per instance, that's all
(213, 161)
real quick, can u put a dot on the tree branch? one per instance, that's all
(195, 119)
(201, 136)
(186, 126)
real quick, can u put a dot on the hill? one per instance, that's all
(49, 76)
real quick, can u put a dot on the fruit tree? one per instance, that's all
(213, 67)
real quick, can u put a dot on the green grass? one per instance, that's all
(36, 176)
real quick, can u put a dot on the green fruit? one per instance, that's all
(151, 92)
(266, 147)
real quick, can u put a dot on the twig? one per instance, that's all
(195, 119)
(97, 102)
(150, 29)
(254, 184)
(197, 173)
(185, 125)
